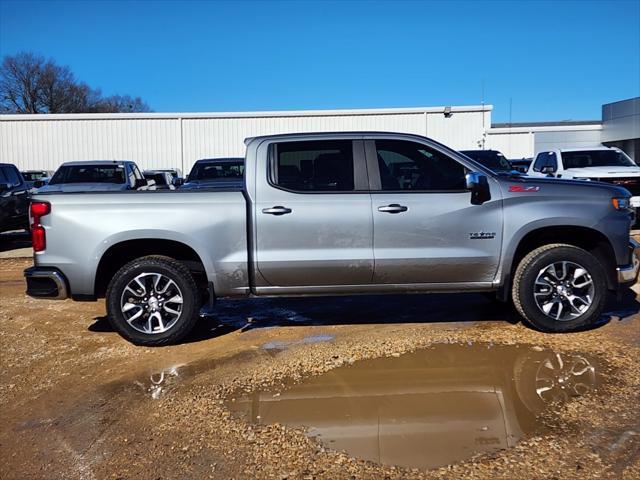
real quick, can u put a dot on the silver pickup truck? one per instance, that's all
(337, 213)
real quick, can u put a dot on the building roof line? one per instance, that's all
(257, 114)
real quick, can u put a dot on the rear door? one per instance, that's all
(313, 215)
(426, 231)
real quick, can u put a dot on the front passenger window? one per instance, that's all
(413, 166)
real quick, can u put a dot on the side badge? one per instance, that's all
(482, 235)
(523, 188)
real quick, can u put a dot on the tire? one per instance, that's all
(153, 301)
(547, 276)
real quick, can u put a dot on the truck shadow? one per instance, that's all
(14, 240)
(245, 315)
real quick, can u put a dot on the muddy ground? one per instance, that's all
(77, 401)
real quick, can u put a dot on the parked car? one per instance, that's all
(162, 179)
(325, 214)
(521, 165)
(216, 173)
(603, 164)
(14, 199)
(100, 175)
(491, 159)
(36, 178)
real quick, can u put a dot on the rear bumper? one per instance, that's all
(628, 274)
(46, 283)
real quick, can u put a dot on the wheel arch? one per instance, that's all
(121, 252)
(587, 238)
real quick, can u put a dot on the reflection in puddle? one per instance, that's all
(280, 345)
(428, 408)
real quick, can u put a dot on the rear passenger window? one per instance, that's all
(320, 166)
(413, 166)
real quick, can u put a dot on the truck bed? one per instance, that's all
(83, 226)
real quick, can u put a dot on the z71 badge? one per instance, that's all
(523, 188)
(482, 235)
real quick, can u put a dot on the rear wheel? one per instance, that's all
(153, 301)
(560, 288)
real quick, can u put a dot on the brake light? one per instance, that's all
(38, 234)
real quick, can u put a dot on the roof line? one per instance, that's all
(269, 114)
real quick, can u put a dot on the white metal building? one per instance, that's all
(163, 140)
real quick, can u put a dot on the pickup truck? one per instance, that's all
(97, 175)
(329, 214)
(605, 164)
(14, 199)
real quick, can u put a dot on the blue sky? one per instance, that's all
(556, 60)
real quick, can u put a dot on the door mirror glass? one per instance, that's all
(548, 169)
(38, 184)
(4, 186)
(178, 181)
(478, 184)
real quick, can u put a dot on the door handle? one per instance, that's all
(277, 210)
(393, 208)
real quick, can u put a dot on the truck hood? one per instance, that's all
(83, 187)
(602, 172)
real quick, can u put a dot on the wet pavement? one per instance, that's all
(428, 408)
(416, 386)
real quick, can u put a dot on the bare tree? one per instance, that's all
(31, 84)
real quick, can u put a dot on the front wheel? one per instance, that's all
(560, 288)
(153, 301)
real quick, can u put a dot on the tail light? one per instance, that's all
(38, 234)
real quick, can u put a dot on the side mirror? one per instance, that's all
(38, 184)
(178, 181)
(478, 184)
(4, 186)
(548, 169)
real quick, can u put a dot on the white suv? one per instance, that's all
(604, 164)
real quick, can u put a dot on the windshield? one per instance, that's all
(596, 158)
(217, 171)
(89, 174)
(491, 159)
(33, 176)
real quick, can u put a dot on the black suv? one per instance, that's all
(14, 199)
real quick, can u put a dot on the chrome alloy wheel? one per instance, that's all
(560, 377)
(151, 303)
(563, 290)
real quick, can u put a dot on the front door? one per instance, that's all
(426, 231)
(313, 215)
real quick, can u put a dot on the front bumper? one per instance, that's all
(628, 274)
(46, 283)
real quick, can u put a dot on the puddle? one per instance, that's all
(280, 345)
(429, 408)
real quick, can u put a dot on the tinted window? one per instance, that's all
(596, 158)
(491, 159)
(413, 166)
(89, 174)
(33, 176)
(217, 170)
(321, 166)
(159, 178)
(545, 159)
(11, 174)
